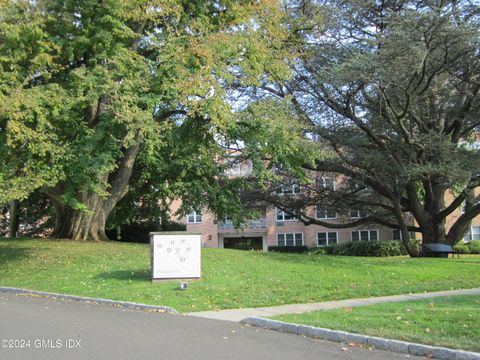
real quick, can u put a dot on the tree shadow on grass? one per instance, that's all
(10, 254)
(135, 275)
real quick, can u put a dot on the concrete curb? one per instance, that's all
(378, 343)
(125, 304)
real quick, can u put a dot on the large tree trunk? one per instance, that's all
(89, 225)
(412, 250)
(435, 232)
(81, 225)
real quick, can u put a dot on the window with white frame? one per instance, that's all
(284, 216)
(290, 239)
(327, 238)
(473, 234)
(227, 221)
(326, 213)
(364, 235)
(195, 217)
(357, 214)
(327, 182)
(397, 235)
(288, 189)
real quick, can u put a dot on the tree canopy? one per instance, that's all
(388, 95)
(91, 91)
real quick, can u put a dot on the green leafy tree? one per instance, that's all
(91, 89)
(388, 93)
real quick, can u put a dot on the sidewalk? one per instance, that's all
(240, 314)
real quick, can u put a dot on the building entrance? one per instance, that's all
(243, 243)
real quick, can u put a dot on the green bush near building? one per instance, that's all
(472, 247)
(367, 248)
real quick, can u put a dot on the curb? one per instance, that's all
(378, 343)
(124, 304)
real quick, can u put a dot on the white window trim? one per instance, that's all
(290, 189)
(326, 215)
(324, 183)
(195, 214)
(358, 216)
(328, 240)
(277, 210)
(470, 233)
(359, 235)
(411, 233)
(354, 217)
(399, 232)
(285, 235)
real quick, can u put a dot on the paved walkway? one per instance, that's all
(240, 314)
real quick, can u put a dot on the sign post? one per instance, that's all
(175, 255)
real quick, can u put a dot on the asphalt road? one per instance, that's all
(43, 328)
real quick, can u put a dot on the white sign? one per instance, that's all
(175, 255)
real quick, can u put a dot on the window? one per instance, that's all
(357, 214)
(473, 234)
(288, 189)
(237, 166)
(326, 213)
(397, 235)
(283, 216)
(290, 239)
(195, 217)
(326, 182)
(226, 223)
(327, 238)
(364, 235)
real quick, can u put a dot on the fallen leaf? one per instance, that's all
(427, 330)
(344, 349)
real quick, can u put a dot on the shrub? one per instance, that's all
(474, 246)
(367, 248)
(288, 249)
(462, 249)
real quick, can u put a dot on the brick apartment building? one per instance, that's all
(274, 227)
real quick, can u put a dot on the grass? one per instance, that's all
(230, 278)
(448, 321)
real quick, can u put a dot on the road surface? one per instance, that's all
(43, 328)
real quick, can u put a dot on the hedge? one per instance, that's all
(472, 247)
(367, 248)
(288, 249)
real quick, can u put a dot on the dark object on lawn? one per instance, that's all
(438, 250)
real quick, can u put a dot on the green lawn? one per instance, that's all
(452, 322)
(230, 278)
